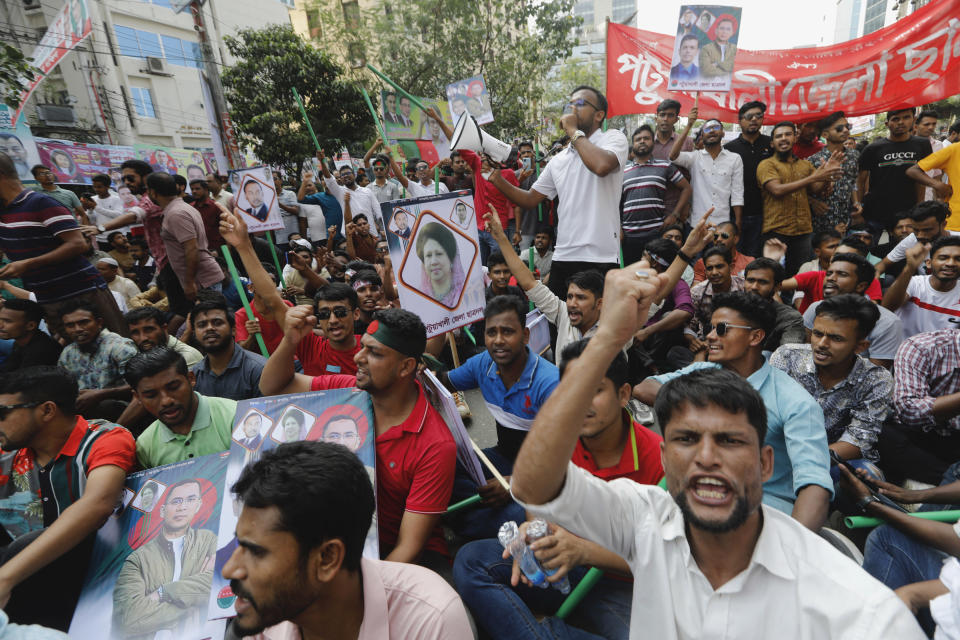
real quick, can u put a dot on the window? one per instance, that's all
(142, 102)
(624, 10)
(584, 9)
(314, 25)
(874, 16)
(139, 44)
(351, 14)
(181, 52)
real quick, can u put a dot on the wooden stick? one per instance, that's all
(489, 465)
(453, 349)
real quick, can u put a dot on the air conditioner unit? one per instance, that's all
(157, 66)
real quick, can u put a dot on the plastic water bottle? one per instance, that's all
(512, 541)
(537, 529)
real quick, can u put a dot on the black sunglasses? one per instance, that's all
(340, 312)
(5, 409)
(841, 127)
(722, 234)
(722, 327)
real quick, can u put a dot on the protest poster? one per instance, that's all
(442, 400)
(119, 599)
(77, 163)
(18, 143)
(705, 48)
(403, 120)
(436, 256)
(256, 198)
(190, 163)
(340, 416)
(539, 332)
(912, 61)
(470, 95)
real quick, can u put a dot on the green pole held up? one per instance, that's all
(463, 504)
(582, 589)
(393, 84)
(373, 112)
(243, 296)
(861, 522)
(273, 252)
(305, 118)
(436, 179)
(536, 168)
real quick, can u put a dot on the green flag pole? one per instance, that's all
(860, 522)
(393, 84)
(305, 118)
(582, 589)
(273, 252)
(463, 504)
(373, 112)
(536, 168)
(436, 179)
(243, 296)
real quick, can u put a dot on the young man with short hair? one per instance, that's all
(708, 536)
(811, 283)
(498, 270)
(460, 179)
(334, 352)
(209, 212)
(217, 191)
(298, 569)
(369, 288)
(188, 424)
(107, 205)
(719, 279)
(382, 186)
(49, 187)
(227, 370)
(763, 277)
(120, 251)
(64, 477)
(726, 236)
(843, 201)
(854, 393)
(362, 200)
(927, 302)
(543, 254)
(753, 147)
(824, 244)
(20, 321)
(148, 330)
(929, 223)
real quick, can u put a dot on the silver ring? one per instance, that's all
(643, 275)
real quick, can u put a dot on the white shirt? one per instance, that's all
(945, 609)
(316, 222)
(927, 309)
(899, 252)
(290, 224)
(432, 187)
(125, 287)
(589, 212)
(362, 200)
(716, 183)
(106, 210)
(796, 586)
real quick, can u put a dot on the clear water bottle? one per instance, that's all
(513, 542)
(537, 529)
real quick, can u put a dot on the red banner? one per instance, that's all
(912, 62)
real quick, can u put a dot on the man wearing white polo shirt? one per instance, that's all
(362, 200)
(588, 178)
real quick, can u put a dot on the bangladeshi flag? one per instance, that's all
(422, 149)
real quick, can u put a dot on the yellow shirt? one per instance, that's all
(948, 161)
(789, 214)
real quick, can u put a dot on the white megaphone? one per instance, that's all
(468, 135)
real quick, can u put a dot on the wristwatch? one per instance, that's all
(101, 228)
(576, 136)
(863, 503)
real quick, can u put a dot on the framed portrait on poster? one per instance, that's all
(256, 198)
(706, 47)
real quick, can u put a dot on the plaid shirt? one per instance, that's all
(855, 408)
(702, 296)
(103, 367)
(928, 367)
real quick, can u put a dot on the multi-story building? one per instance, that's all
(136, 78)
(857, 18)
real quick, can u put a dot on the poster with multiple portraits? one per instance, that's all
(403, 120)
(442, 400)
(256, 197)
(470, 95)
(706, 48)
(176, 506)
(18, 143)
(436, 256)
(77, 163)
(340, 416)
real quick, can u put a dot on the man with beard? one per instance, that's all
(668, 112)
(785, 180)
(929, 220)
(460, 179)
(227, 370)
(753, 147)
(217, 192)
(726, 236)
(719, 279)
(800, 483)
(188, 424)
(298, 570)
(711, 540)
(148, 330)
(642, 210)
(927, 302)
(416, 455)
(362, 200)
(369, 288)
(514, 383)
(843, 202)
(763, 277)
(164, 586)
(20, 322)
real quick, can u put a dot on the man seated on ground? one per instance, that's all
(188, 424)
(929, 224)
(96, 358)
(763, 277)
(514, 383)
(120, 251)
(611, 445)
(825, 244)
(853, 392)
(65, 475)
(710, 539)
(20, 321)
(662, 337)
(725, 236)
(851, 273)
(264, 314)
(718, 264)
(800, 483)
(148, 330)
(674, 233)
(499, 272)
(543, 254)
(307, 507)
(809, 285)
(110, 271)
(416, 455)
(927, 302)
(144, 266)
(227, 370)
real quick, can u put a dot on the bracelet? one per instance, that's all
(863, 503)
(685, 257)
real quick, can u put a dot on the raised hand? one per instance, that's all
(916, 255)
(774, 249)
(492, 222)
(233, 228)
(628, 294)
(299, 322)
(699, 236)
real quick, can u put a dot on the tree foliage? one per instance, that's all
(270, 62)
(423, 45)
(15, 73)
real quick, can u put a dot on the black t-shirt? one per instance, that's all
(890, 191)
(752, 155)
(41, 350)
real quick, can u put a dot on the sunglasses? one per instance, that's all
(752, 116)
(722, 327)
(711, 128)
(841, 127)
(580, 102)
(340, 312)
(722, 234)
(5, 409)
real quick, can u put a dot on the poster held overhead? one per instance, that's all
(256, 198)
(705, 49)
(470, 95)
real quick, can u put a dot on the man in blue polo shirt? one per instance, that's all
(515, 383)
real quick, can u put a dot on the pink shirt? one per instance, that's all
(400, 601)
(182, 223)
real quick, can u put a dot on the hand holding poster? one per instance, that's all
(256, 198)
(705, 48)
(436, 254)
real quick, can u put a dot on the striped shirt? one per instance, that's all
(29, 226)
(928, 367)
(644, 186)
(32, 497)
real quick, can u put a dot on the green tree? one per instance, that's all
(15, 73)
(425, 44)
(270, 63)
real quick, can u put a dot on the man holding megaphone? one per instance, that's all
(588, 177)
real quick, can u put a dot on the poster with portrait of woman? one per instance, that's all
(437, 267)
(256, 198)
(706, 48)
(339, 416)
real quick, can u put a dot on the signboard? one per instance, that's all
(914, 61)
(705, 48)
(77, 163)
(256, 198)
(402, 120)
(18, 143)
(470, 95)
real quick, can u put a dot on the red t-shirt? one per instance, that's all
(806, 150)
(318, 357)
(485, 193)
(271, 331)
(811, 283)
(640, 460)
(416, 462)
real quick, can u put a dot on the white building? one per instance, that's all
(136, 78)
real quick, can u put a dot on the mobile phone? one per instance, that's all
(874, 489)
(527, 163)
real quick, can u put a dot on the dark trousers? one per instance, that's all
(633, 246)
(917, 455)
(560, 272)
(49, 596)
(750, 244)
(798, 250)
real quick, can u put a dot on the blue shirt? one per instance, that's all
(795, 430)
(332, 212)
(239, 381)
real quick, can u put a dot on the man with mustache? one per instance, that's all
(227, 370)
(927, 302)
(148, 330)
